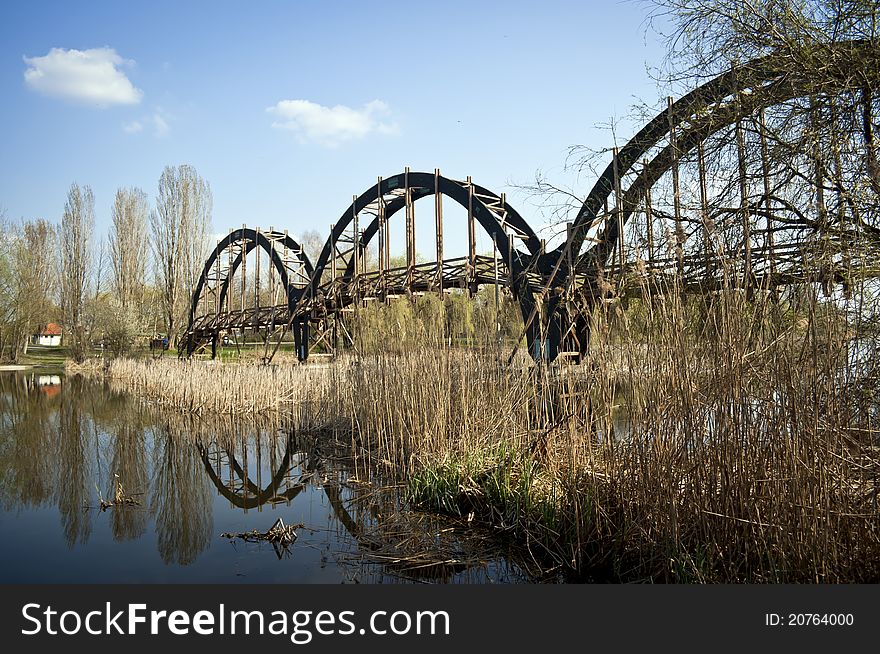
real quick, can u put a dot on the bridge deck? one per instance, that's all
(790, 264)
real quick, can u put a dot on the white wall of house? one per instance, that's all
(47, 340)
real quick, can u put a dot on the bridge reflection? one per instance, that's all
(372, 526)
(59, 452)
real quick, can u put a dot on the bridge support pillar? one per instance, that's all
(472, 241)
(214, 339)
(553, 333)
(559, 331)
(301, 339)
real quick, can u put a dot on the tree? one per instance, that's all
(98, 314)
(312, 243)
(35, 278)
(128, 246)
(7, 303)
(767, 160)
(128, 258)
(806, 167)
(77, 225)
(180, 227)
(704, 37)
(788, 161)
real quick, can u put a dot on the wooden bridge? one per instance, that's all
(763, 178)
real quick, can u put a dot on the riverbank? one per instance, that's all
(39, 356)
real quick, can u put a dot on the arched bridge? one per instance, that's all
(764, 177)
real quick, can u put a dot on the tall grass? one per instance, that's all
(212, 388)
(721, 439)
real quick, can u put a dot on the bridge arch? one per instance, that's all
(497, 205)
(711, 107)
(736, 95)
(500, 221)
(219, 270)
(504, 225)
(252, 496)
(685, 125)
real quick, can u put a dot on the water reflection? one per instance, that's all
(71, 440)
(179, 498)
(26, 479)
(63, 451)
(129, 462)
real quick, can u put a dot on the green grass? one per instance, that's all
(498, 486)
(45, 356)
(57, 356)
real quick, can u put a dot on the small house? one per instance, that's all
(48, 335)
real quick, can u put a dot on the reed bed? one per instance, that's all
(207, 387)
(726, 439)
(730, 439)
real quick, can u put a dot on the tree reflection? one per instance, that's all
(180, 499)
(26, 431)
(73, 477)
(129, 462)
(66, 448)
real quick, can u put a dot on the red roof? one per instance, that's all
(51, 390)
(52, 329)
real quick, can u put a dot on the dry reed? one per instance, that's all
(723, 439)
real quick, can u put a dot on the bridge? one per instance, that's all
(739, 184)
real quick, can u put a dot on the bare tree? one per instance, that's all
(99, 317)
(128, 258)
(77, 225)
(796, 167)
(128, 246)
(817, 152)
(704, 37)
(180, 227)
(312, 243)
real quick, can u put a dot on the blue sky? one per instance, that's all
(290, 108)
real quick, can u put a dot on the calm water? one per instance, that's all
(64, 441)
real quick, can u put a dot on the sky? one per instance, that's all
(288, 109)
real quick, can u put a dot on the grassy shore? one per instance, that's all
(45, 356)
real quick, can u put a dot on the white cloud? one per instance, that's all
(331, 126)
(159, 121)
(90, 77)
(160, 124)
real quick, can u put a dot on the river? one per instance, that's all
(187, 483)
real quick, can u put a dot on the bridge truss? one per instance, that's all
(738, 184)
